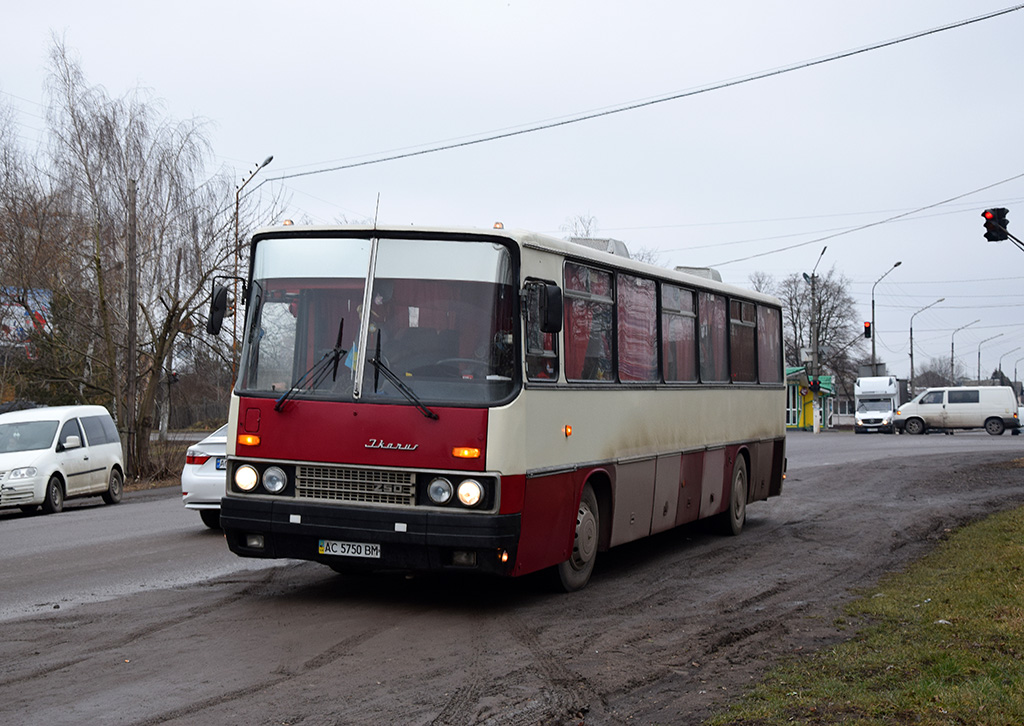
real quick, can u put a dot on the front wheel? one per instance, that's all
(915, 426)
(115, 488)
(53, 499)
(574, 573)
(995, 426)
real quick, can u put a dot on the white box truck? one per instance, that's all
(876, 399)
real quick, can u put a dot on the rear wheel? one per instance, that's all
(735, 517)
(574, 573)
(915, 426)
(210, 517)
(995, 426)
(115, 488)
(53, 499)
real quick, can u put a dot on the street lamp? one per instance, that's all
(912, 341)
(979, 353)
(1015, 391)
(812, 279)
(1011, 350)
(874, 334)
(234, 333)
(952, 350)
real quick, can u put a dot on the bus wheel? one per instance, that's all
(734, 518)
(574, 573)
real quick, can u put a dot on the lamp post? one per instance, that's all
(1011, 350)
(874, 330)
(952, 350)
(1015, 379)
(234, 332)
(979, 353)
(812, 279)
(912, 341)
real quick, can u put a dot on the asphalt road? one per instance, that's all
(137, 614)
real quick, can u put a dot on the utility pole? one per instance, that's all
(133, 355)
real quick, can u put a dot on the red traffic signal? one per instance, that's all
(996, 224)
(867, 329)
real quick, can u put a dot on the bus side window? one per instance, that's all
(541, 347)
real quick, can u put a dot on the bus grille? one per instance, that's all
(364, 486)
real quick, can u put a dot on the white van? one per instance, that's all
(993, 408)
(51, 454)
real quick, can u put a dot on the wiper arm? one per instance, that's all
(380, 368)
(318, 371)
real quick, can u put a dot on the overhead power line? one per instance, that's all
(663, 99)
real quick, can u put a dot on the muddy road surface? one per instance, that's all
(668, 630)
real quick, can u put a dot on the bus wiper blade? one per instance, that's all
(380, 367)
(318, 371)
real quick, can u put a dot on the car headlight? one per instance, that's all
(440, 490)
(470, 492)
(25, 472)
(274, 479)
(246, 478)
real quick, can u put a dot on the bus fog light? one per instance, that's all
(246, 478)
(274, 479)
(254, 541)
(461, 558)
(470, 492)
(440, 490)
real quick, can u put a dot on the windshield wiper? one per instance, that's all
(379, 367)
(318, 371)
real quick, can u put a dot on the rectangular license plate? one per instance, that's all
(349, 549)
(221, 463)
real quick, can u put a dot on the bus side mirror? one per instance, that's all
(218, 306)
(550, 308)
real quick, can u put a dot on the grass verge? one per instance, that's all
(942, 643)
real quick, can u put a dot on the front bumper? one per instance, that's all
(408, 539)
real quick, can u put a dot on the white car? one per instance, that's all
(55, 453)
(204, 477)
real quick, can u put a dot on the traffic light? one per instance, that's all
(815, 386)
(996, 224)
(867, 329)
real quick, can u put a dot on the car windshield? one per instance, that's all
(26, 436)
(441, 319)
(875, 405)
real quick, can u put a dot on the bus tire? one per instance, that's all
(733, 519)
(574, 573)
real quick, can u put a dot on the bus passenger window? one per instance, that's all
(589, 308)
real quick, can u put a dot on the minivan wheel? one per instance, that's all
(115, 489)
(53, 499)
(915, 426)
(995, 426)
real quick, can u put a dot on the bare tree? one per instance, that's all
(582, 225)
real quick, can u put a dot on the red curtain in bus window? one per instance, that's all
(769, 345)
(679, 337)
(588, 324)
(714, 354)
(742, 337)
(637, 329)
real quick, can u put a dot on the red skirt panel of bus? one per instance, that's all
(362, 434)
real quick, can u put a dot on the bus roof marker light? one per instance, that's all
(499, 225)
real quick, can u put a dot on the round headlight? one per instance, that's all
(440, 490)
(470, 492)
(246, 478)
(274, 479)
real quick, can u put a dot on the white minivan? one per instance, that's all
(993, 408)
(51, 454)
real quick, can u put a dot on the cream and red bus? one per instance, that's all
(489, 401)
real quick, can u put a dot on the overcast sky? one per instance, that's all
(710, 179)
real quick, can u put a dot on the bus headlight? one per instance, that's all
(246, 478)
(440, 490)
(470, 492)
(275, 480)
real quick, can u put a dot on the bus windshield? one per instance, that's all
(441, 318)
